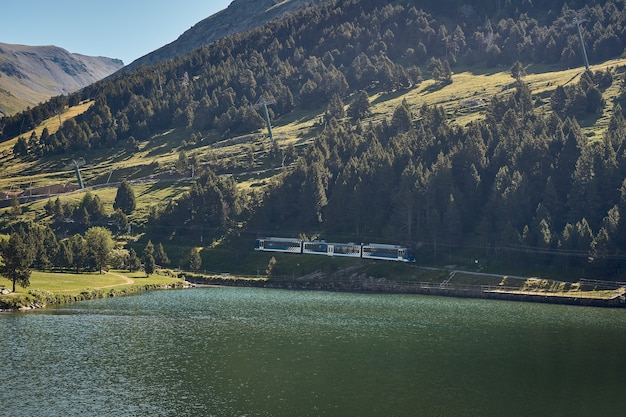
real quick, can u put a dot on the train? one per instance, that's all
(319, 247)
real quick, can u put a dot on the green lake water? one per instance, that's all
(256, 352)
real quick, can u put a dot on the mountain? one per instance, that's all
(464, 137)
(32, 74)
(239, 16)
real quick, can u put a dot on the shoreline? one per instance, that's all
(448, 290)
(37, 299)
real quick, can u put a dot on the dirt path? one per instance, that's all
(124, 277)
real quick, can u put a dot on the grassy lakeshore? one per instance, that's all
(343, 274)
(48, 288)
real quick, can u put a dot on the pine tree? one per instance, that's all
(518, 71)
(121, 220)
(83, 216)
(360, 108)
(404, 202)
(93, 206)
(21, 147)
(335, 108)
(149, 265)
(16, 208)
(600, 248)
(584, 235)
(313, 194)
(616, 132)
(148, 250)
(160, 256)
(42, 240)
(49, 207)
(401, 120)
(541, 234)
(194, 259)
(65, 256)
(558, 101)
(134, 263)
(100, 244)
(58, 212)
(80, 252)
(182, 164)
(17, 257)
(125, 198)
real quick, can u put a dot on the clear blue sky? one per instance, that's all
(123, 29)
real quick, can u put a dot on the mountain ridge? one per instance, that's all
(239, 16)
(33, 74)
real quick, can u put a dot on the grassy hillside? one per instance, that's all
(464, 101)
(246, 158)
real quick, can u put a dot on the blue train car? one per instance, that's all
(331, 249)
(278, 244)
(386, 252)
(317, 248)
(353, 250)
(347, 249)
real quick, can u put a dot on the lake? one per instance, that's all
(259, 352)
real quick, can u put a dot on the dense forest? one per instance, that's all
(301, 61)
(516, 183)
(39, 246)
(521, 181)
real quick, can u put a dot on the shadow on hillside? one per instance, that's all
(573, 78)
(435, 87)
(385, 96)
(163, 182)
(298, 116)
(590, 120)
(161, 149)
(114, 159)
(481, 70)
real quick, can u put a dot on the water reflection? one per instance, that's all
(253, 352)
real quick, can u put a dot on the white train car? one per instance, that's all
(279, 244)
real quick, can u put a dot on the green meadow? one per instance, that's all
(61, 287)
(464, 101)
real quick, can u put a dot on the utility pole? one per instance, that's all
(577, 22)
(78, 176)
(76, 164)
(264, 102)
(160, 85)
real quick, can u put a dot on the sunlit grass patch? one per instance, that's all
(52, 124)
(69, 282)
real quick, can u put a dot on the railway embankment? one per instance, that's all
(460, 284)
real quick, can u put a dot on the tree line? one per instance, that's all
(522, 181)
(35, 246)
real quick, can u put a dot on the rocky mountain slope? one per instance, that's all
(239, 16)
(32, 74)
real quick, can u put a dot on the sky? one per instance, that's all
(122, 29)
